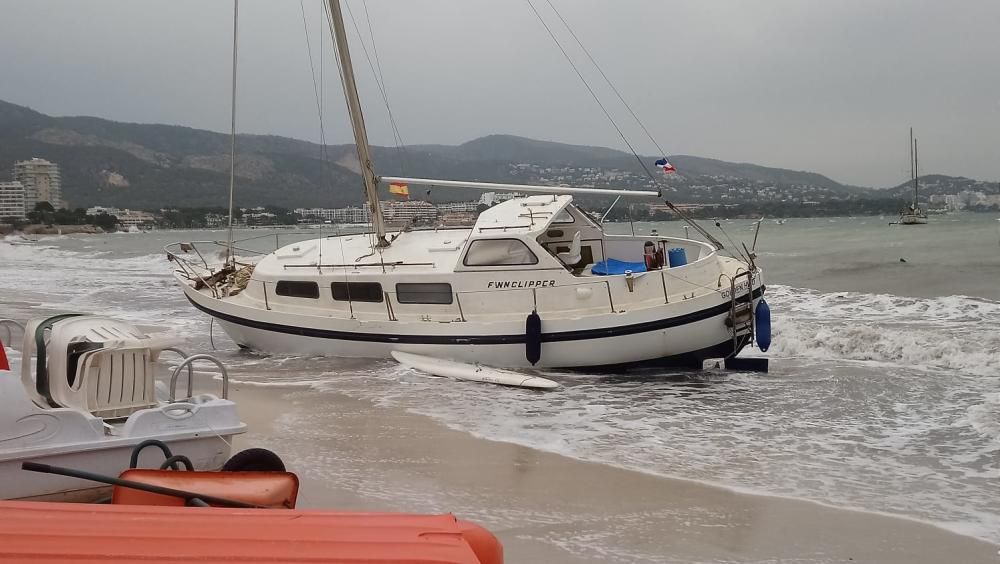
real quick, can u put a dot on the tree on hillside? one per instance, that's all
(104, 221)
(42, 213)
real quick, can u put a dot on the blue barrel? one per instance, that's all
(677, 257)
(762, 315)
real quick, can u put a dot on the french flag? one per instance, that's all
(665, 165)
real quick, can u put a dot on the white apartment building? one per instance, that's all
(41, 180)
(126, 218)
(458, 207)
(493, 198)
(336, 215)
(409, 210)
(12, 200)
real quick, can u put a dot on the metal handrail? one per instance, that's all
(190, 360)
(184, 355)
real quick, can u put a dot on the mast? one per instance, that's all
(358, 123)
(913, 171)
(916, 172)
(230, 257)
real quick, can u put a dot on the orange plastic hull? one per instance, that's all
(268, 489)
(44, 533)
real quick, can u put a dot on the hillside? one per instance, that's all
(149, 166)
(936, 184)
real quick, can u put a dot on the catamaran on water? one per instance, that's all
(535, 282)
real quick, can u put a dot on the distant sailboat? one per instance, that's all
(913, 215)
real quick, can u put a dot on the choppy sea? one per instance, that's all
(883, 395)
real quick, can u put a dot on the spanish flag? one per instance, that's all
(400, 190)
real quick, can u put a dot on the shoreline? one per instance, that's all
(738, 490)
(351, 454)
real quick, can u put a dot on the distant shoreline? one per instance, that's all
(39, 229)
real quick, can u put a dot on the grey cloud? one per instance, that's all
(806, 84)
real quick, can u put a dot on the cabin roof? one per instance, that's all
(528, 215)
(422, 251)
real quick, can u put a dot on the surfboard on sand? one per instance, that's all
(472, 372)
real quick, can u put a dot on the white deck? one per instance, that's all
(428, 251)
(419, 251)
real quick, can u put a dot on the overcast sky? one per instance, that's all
(821, 85)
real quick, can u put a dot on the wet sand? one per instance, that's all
(548, 508)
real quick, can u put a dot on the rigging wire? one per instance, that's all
(317, 88)
(318, 94)
(621, 134)
(377, 73)
(400, 146)
(322, 102)
(230, 258)
(606, 79)
(728, 238)
(589, 89)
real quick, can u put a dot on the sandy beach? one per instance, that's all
(548, 508)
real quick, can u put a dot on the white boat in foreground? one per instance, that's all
(473, 372)
(87, 396)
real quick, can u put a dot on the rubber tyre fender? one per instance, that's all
(254, 460)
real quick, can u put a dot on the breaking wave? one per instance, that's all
(950, 332)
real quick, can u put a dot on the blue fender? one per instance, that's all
(762, 315)
(533, 338)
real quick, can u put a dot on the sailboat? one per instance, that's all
(536, 282)
(913, 215)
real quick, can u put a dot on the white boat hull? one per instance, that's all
(909, 219)
(682, 334)
(206, 453)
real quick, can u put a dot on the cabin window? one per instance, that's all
(357, 291)
(563, 217)
(499, 252)
(297, 289)
(431, 293)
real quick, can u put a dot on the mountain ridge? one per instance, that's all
(149, 166)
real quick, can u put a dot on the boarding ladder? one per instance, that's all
(741, 314)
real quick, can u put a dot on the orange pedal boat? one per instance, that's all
(151, 518)
(50, 533)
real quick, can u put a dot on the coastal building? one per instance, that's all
(493, 198)
(409, 210)
(335, 215)
(458, 207)
(127, 219)
(41, 180)
(213, 220)
(11, 201)
(258, 216)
